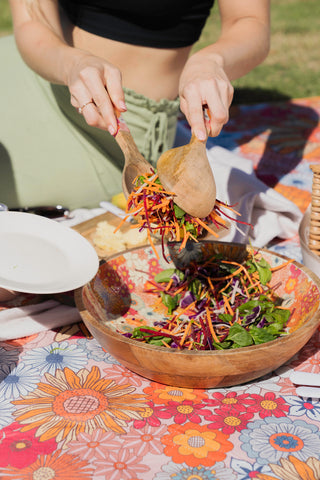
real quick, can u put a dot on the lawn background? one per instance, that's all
(292, 69)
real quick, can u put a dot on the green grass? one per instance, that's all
(291, 70)
(5, 18)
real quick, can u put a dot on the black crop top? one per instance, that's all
(160, 24)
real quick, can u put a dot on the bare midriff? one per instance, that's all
(153, 72)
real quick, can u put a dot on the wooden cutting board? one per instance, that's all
(89, 226)
(88, 230)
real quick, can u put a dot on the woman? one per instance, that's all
(82, 61)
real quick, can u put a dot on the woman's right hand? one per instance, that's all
(96, 89)
(41, 42)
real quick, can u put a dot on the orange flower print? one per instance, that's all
(306, 307)
(307, 301)
(196, 445)
(72, 403)
(293, 468)
(51, 467)
(163, 394)
(291, 284)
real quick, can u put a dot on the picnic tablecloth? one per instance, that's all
(69, 410)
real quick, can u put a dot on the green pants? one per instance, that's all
(48, 153)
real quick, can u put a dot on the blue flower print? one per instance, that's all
(6, 409)
(95, 352)
(57, 355)
(20, 381)
(304, 406)
(270, 439)
(247, 470)
(172, 471)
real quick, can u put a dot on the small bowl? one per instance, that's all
(310, 259)
(115, 298)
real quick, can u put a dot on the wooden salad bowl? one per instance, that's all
(115, 298)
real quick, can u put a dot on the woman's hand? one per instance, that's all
(95, 85)
(243, 43)
(204, 84)
(96, 90)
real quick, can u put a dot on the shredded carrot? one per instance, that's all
(213, 333)
(227, 306)
(186, 332)
(187, 308)
(211, 284)
(120, 224)
(244, 287)
(153, 208)
(242, 267)
(225, 287)
(282, 265)
(204, 225)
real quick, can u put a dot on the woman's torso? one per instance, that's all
(153, 71)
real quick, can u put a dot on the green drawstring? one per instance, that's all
(152, 123)
(156, 137)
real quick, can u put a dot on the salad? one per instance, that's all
(154, 210)
(216, 304)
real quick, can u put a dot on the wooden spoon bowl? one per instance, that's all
(135, 164)
(186, 171)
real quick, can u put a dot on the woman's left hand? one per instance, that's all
(204, 84)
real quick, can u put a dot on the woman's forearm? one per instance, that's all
(240, 49)
(91, 80)
(39, 36)
(208, 73)
(45, 52)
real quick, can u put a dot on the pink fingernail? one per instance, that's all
(112, 130)
(200, 135)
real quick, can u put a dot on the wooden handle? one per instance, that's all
(134, 163)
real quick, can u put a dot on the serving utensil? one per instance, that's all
(186, 171)
(134, 163)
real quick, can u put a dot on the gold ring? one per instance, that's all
(80, 109)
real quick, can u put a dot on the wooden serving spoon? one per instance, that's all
(135, 164)
(186, 171)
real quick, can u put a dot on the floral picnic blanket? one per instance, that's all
(70, 411)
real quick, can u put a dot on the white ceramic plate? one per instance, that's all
(38, 255)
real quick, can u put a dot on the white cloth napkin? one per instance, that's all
(18, 322)
(270, 213)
